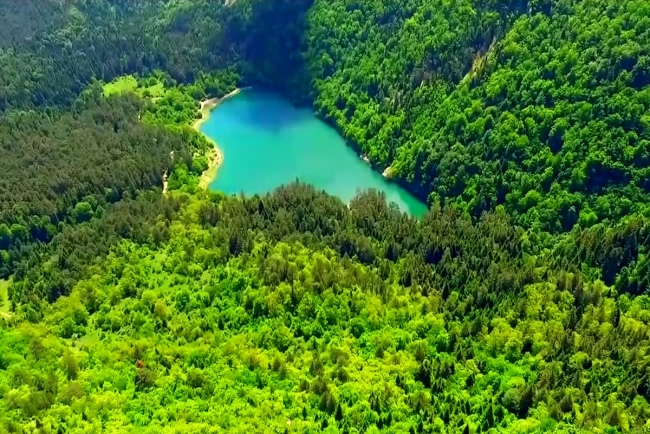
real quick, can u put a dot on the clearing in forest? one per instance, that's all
(149, 88)
(127, 83)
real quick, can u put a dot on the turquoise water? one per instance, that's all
(267, 142)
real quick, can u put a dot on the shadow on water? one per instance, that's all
(271, 113)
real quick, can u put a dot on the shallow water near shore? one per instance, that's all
(267, 142)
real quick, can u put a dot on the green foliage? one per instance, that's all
(177, 108)
(46, 272)
(71, 164)
(103, 40)
(537, 107)
(152, 86)
(5, 305)
(533, 106)
(292, 312)
(290, 330)
(23, 20)
(127, 83)
(82, 212)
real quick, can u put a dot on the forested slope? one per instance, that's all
(556, 129)
(101, 39)
(22, 20)
(247, 321)
(63, 167)
(542, 109)
(537, 106)
(519, 306)
(377, 65)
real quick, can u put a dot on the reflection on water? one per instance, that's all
(267, 142)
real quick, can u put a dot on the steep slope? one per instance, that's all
(101, 40)
(555, 129)
(23, 20)
(541, 108)
(538, 106)
(377, 65)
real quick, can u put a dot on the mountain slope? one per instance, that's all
(246, 321)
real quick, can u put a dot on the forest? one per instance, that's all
(477, 104)
(134, 301)
(65, 167)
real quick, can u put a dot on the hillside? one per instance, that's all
(541, 109)
(534, 106)
(242, 319)
(519, 304)
(22, 20)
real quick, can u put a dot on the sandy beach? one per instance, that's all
(214, 155)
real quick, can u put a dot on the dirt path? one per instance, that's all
(165, 175)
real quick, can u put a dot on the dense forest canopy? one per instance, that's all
(541, 109)
(22, 20)
(131, 300)
(293, 311)
(64, 167)
(102, 39)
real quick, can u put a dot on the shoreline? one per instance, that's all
(214, 155)
(387, 171)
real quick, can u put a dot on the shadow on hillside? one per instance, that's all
(272, 38)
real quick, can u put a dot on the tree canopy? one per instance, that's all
(518, 304)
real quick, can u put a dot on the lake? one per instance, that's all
(267, 142)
